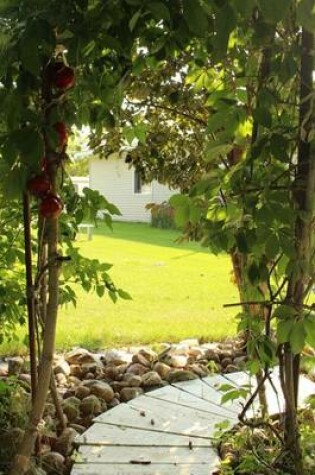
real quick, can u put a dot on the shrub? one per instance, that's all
(162, 215)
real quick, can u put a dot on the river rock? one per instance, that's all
(177, 375)
(149, 354)
(139, 358)
(114, 402)
(102, 390)
(225, 362)
(76, 371)
(71, 408)
(137, 368)
(73, 357)
(152, 378)
(90, 376)
(15, 365)
(117, 357)
(126, 394)
(177, 361)
(64, 443)
(213, 354)
(61, 379)
(111, 371)
(231, 368)
(199, 370)
(62, 366)
(53, 463)
(91, 405)
(132, 380)
(239, 361)
(162, 369)
(78, 428)
(82, 391)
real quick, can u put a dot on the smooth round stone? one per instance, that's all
(126, 394)
(102, 390)
(91, 405)
(137, 368)
(152, 378)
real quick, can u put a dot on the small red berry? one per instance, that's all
(51, 206)
(62, 76)
(39, 185)
(62, 132)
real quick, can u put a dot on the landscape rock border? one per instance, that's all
(90, 383)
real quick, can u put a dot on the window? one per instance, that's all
(138, 186)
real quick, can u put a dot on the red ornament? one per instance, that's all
(51, 206)
(39, 185)
(62, 132)
(62, 76)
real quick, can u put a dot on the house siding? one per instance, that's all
(115, 180)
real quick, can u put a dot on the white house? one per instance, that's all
(123, 186)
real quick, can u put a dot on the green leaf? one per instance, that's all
(297, 337)
(253, 273)
(124, 295)
(182, 215)
(306, 14)
(178, 200)
(30, 144)
(263, 117)
(195, 17)
(241, 242)
(274, 11)
(159, 11)
(129, 134)
(100, 290)
(244, 7)
(225, 387)
(284, 328)
(113, 209)
(113, 295)
(225, 22)
(272, 247)
(284, 312)
(134, 20)
(309, 324)
(194, 214)
(214, 150)
(37, 36)
(279, 146)
(266, 350)
(231, 396)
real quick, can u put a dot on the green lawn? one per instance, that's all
(178, 291)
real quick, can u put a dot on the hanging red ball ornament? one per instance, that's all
(51, 206)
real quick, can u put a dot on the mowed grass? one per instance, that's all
(178, 291)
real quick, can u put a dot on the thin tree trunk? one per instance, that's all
(30, 291)
(21, 461)
(303, 197)
(57, 403)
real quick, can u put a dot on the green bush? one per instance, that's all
(162, 215)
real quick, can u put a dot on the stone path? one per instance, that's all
(167, 431)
